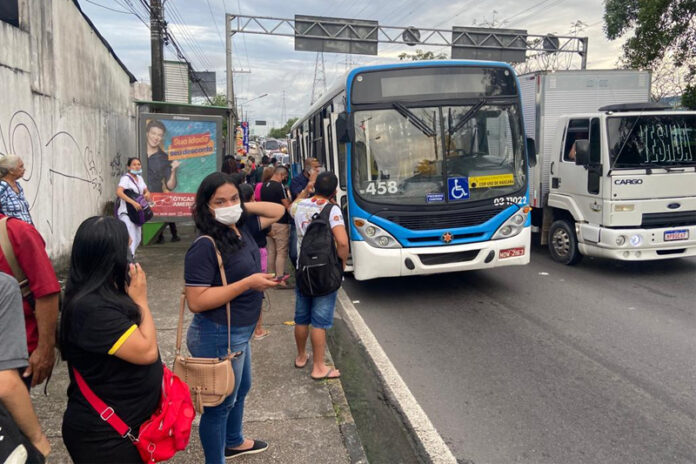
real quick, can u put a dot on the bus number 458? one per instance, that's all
(382, 188)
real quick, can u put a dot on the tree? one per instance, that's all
(219, 100)
(283, 131)
(660, 28)
(420, 55)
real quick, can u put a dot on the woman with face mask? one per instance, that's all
(132, 180)
(221, 214)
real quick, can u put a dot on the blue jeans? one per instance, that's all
(315, 310)
(221, 426)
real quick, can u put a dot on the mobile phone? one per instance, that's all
(282, 278)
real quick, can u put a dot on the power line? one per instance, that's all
(107, 8)
(212, 16)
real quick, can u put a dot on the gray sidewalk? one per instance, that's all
(302, 420)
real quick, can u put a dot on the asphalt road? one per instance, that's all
(547, 363)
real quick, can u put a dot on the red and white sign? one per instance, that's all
(173, 204)
(511, 253)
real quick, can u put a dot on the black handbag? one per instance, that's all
(14, 446)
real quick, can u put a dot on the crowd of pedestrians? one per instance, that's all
(253, 225)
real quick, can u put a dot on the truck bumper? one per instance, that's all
(640, 244)
(371, 263)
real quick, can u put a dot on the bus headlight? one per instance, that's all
(375, 235)
(513, 226)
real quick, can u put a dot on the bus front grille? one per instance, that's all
(433, 259)
(448, 220)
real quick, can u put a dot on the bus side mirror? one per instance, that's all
(582, 152)
(531, 152)
(343, 128)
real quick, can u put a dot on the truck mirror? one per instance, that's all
(343, 128)
(582, 152)
(531, 152)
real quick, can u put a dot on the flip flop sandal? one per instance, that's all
(328, 375)
(297, 366)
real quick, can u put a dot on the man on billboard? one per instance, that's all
(161, 172)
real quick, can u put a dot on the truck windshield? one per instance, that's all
(411, 155)
(655, 140)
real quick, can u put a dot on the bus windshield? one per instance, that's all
(417, 156)
(656, 141)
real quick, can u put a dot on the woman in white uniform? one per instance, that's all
(132, 180)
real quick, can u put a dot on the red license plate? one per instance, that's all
(511, 253)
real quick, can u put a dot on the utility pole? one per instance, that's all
(157, 49)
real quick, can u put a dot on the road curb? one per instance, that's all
(346, 423)
(432, 447)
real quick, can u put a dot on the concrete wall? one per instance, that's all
(66, 109)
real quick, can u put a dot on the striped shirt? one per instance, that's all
(14, 204)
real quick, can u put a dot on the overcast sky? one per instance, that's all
(199, 26)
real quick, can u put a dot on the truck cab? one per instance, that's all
(622, 185)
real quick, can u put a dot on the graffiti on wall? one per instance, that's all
(22, 137)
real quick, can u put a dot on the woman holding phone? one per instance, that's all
(220, 213)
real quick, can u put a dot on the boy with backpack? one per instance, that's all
(322, 249)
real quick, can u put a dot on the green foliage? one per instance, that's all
(281, 133)
(218, 100)
(688, 99)
(660, 28)
(420, 55)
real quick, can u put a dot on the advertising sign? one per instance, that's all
(177, 152)
(245, 136)
(239, 141)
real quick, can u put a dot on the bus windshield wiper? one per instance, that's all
(414, 119)
(468, 115)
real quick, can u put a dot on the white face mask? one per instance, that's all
(228, 215)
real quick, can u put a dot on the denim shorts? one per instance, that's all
(315, 310)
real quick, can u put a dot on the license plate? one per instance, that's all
(672, 235)
(511, 253)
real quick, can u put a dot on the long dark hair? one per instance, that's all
(98, 266)
(229, 165)
(225, 239)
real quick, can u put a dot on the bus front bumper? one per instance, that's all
(371, 263)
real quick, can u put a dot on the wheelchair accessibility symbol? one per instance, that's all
(458, 188)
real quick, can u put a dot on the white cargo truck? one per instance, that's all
(616, 175)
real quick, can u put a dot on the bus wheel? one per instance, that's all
(563, 243)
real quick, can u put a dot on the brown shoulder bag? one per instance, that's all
(210, 380)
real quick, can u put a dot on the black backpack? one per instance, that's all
(319, 270)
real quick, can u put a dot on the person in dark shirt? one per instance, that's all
(161, 173)
(108, 336)
(297, 185)
(247, 192)
(221, 214)
(274, 191)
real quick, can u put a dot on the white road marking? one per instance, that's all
(417, 421)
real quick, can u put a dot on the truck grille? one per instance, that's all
(448, 220)
(658, 220)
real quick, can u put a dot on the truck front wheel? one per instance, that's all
(563, 243)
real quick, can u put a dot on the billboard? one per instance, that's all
(177, 152)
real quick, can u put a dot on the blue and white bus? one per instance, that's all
(432, 163)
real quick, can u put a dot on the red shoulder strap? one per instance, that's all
(106, 412)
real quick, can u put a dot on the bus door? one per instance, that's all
(337, 155)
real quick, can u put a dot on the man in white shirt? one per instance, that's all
(317, 311)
